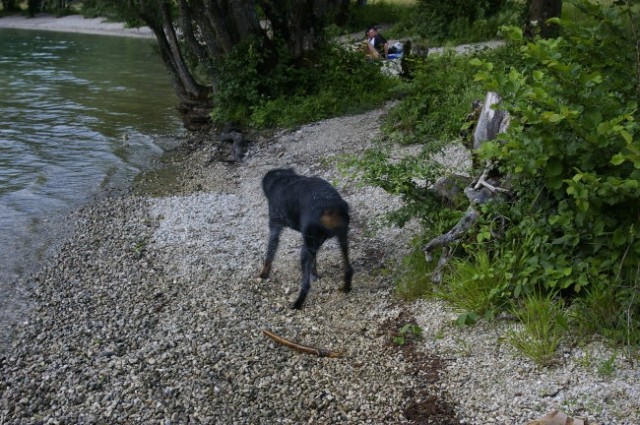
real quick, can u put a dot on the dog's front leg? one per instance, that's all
(307, 261)
(272, 247)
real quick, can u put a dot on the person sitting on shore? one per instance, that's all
(377, 45)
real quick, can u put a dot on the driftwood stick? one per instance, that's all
(483, 177)
(302, 348)
(436, 275)
(482, 180)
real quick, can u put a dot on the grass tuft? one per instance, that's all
(543, 325)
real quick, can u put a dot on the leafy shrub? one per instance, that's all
(463, 21)
(325, 83)
(572, 151)
(572, 154)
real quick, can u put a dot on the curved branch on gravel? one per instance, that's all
(302, 348)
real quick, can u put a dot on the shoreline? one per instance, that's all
(74, 24)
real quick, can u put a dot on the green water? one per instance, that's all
(78, 114)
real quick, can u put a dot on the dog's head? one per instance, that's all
(276, 175)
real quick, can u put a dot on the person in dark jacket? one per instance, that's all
(377, 45)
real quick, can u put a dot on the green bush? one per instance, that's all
(325, 83)
(572, 151)
(463, 21)
(572, 154)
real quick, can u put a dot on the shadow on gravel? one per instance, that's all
(424, 405)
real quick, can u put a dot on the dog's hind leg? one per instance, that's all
(314, 266)
(348, 270)
(272, 247)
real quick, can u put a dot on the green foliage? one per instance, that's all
(612, 311)
(112, 10)
(413, 277)
(327, 82)
(408, 332)
(436, 101)
(476, 286)
(381, 12)
(607, 367)
(406, 177)
(8, 6)
(571, 149)
(463, 21)
(572, 153)
(543, 325)
(431, 113)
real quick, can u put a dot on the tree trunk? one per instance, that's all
(538, 12)
(206, 31)
(9, 5)
(195, 99)
(485, 188)
(297, 22)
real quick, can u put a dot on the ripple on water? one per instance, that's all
(66, 101)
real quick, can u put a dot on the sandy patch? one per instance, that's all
(74, 24)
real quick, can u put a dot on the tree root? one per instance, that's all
(302, 348)
(444, 240)
(483, 190)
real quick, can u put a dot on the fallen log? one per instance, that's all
(302, 348)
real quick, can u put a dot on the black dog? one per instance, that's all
(313, 207)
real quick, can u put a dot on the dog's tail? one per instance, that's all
(333, 218)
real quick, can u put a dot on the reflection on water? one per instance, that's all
(67, 104)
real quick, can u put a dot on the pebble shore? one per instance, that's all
(151, 313)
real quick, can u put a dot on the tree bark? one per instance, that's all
(206, 31)
(538, 12)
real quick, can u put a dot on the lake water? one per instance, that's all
(78, 114)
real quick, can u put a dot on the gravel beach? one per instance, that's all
(151, 313)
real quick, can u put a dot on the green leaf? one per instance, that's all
(627, 136)
(603, 128)
(552, 117)
(619, 237)
(618, 159)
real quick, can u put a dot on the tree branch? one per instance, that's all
(301, 348)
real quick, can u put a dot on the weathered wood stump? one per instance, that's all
(485, 188)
